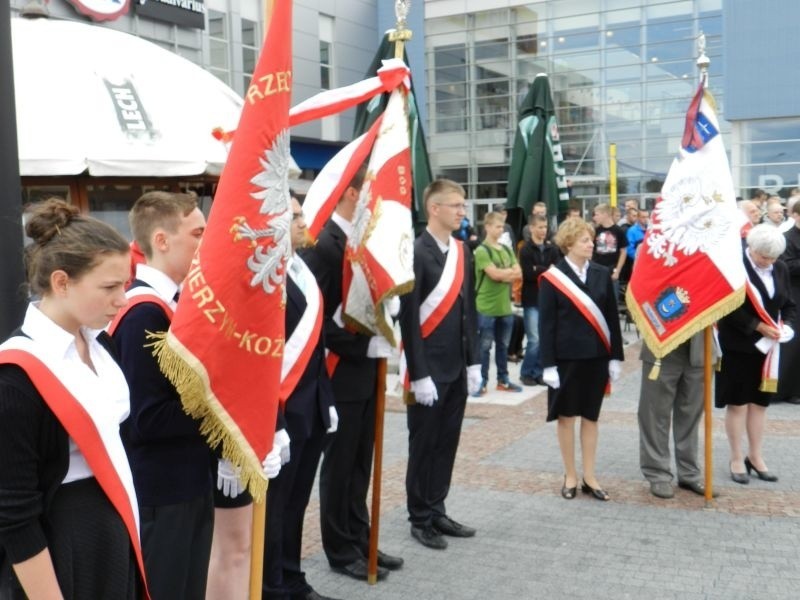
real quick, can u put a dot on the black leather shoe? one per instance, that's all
(792, 400)
(429, 537)
(598, 493)
(528, 380)
(452, 528)
(762, 475)
(358, 570)
(389, 562)
(698, 487)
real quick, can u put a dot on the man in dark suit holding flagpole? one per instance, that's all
(352, 365)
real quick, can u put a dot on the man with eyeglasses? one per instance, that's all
(438, 322)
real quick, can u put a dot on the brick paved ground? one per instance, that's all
(533, 544)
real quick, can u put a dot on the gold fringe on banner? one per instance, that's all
(190, 379)
(705, 319)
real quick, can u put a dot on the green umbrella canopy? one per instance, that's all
(537, 164)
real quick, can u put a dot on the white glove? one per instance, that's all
(474, 379)
(272, 464)
(787, 334)
(334, 419)
(424, 391)
(282, 440)
(550, 377)
(614, 369)
(379, 347)
(228, 479)
(393, 305)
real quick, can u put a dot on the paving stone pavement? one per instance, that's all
(533, 544)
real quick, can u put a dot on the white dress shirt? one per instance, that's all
(105, 386)
(765, 275)
(580, 272)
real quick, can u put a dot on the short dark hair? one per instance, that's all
(158, 209)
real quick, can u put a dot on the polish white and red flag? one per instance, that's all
(380, 250)
(689, 272)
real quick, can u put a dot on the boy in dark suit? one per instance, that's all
(347, 461)
(439, 325)
(168, 456)
(309, 413)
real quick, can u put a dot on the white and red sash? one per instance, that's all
(300, 346)
(71, 402)
(584, 303)
(439, 301)
(772, 348)
(136, 296)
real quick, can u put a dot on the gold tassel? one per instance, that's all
(655, 371)
(769, 385)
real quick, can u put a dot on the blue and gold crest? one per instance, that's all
(672, 303)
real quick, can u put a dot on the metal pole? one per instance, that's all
(12, 275)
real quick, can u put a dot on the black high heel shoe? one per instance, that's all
(762, 475)
(598, 493)
(568, 493)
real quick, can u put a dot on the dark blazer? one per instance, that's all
(169, 458)
(564, 333)
(737, 330)
(452, 346)
(533, 263)
(355, 375)
(312, 398)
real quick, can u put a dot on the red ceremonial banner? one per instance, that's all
(225, 346)
(688, 271)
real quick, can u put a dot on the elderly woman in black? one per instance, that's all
(581, 348)
(750, 336)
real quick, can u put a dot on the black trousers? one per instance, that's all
(433, 435)
(344, 483)
(287, 500)
(176, 544)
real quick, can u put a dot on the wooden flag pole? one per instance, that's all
(399, 36)
(380, 408)
(707, 375)
(702, 63)
(259, 507)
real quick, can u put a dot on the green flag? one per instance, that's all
(537, 164)
(367, 113)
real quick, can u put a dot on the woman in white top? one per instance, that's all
(68, 517)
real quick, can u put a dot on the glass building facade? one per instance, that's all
(621, 71)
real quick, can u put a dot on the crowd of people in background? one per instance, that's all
(174, 514)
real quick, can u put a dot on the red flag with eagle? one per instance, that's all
(379, 255)
(224, 348)
(688, 272)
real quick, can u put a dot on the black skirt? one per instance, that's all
(737, 382)
(89, 544)
(583, 385)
